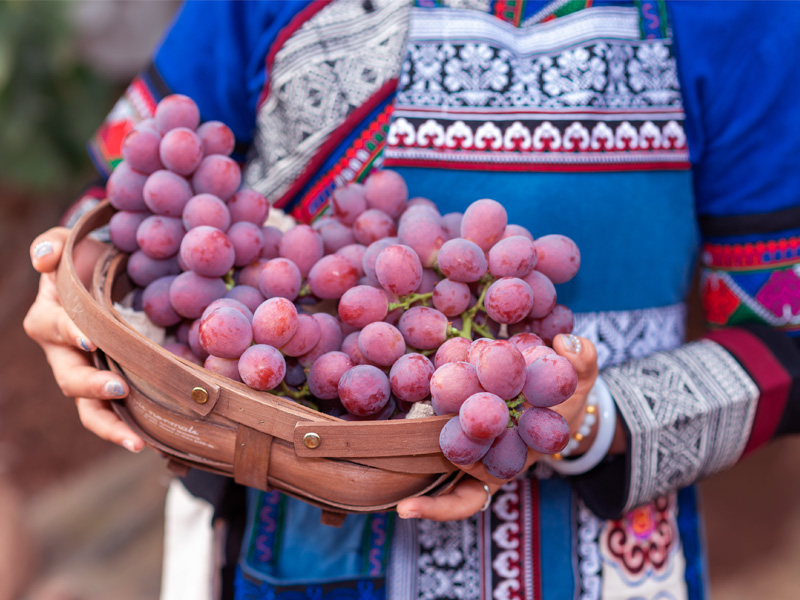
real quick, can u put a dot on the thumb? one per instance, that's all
(46, 249)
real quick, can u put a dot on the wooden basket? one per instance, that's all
(201, 419)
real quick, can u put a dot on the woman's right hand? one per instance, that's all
(67, 348)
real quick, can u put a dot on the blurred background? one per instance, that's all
(81, 519)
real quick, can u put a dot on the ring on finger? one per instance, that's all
(488, 498)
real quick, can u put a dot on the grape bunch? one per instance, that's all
(381, 306)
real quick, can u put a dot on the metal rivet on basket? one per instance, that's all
(312, 440)
(200, 395)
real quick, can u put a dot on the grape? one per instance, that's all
(217, 138)
(155, 302)
(451, 384)
(410, 377)
(250, 206)
(532, 354)
(508, 300)
(453, 350)
(248, 275)
(513, 256)
(217, 174)
(183, 351)
(348, 202)
(423, 328)
(122, 228)
(247, 295)
(512, 230)
(462, 260)
(177, 110)
(429, 281)
(373, 225)
(544, 294)
(364, 390)
(526, 340)
(325, 373)
(362, 305)
(559, 257)
(280, 277)
(330, 338)
(181, 150)
(305, 338)
(381, 343)
(457, 447)
(166, 193)
(398, 269)
(355, 254)
(194, 340)
(484, 223)
(501, 369)
(422, 231)
(386, 191)
(275, 322)
(507, 457)
(225, 332)
(303, 246)
(295, 374)
(451, 224)
(335, 235)
(371, 255)
(332, 276)
(247, 241)
(420, 201)
(140, 147)
(227, 367)
(262, 367)
(272, 240)
(483, 416)
(543, 430)
(549, 380)
(205, 209)
(207, 251)
(451, 298)
(125, 188)
(475, 350)
(190, 293)
(159, 237)
(142, 269)
(350, 347)
(560, 320)
(228, 303)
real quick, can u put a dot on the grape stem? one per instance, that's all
(305, 290)
(406, 301)
(513, 413)
(230, 283)
(297, 394)
(468, 316)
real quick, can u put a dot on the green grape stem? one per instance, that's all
(406, 301)
(302, 392)
(229, 281)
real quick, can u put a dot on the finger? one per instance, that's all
(580, 352)
(46, 249)
(48, 323)
(98, 417)
(466, 499)
(76, 377)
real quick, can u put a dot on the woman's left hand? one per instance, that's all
(469, 495)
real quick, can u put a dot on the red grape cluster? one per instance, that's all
(372, 309)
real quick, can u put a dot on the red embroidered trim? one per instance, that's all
(772, 380)
(752, 255)
(541, 167)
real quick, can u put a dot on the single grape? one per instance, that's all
(371, 255)
(159, 237)
(125, 188)
(422, 231)
(462, 260)
(451, 384)
(350, 347)
(386, 191)
(275, 322)
(217, 138)
(194, 340)
(348, 202)
(483, 416)
(229, 303)
(248, 275)
(429, 280)
(364, 390)
(142, 269)
(410, 377)
(381, 343)
(217, 174)
(421, 201)
(181, 150)
(544, 294)
(272, 241)
(335, 235)
(183, 351)
(303, 246)
(262, 367)
(559, 257)
(453, 350)
(475, 349)
(330, 338)
(514, 256)
(549, 380)
(526, 340)
(451, 298)
(501, 369)
(508, 300)
(155, 302)
(457, 447)
(295, 374)
(247, 295)
(225, 332)
(559, 320)
(512, 229)
(140, 147)
(205, 209)
(451, 224)
(484, 223)
(332, 276)
(247, 240)
(543, 430)
(227, 367)
(122, 228)
(191, 293)
(362, 305)
(423, 328)
(373, 225)
(177, 110)
(250, 206)
(507, 457)
(534, 353)
(305, 338)
(325, 373)
(166, 193)
(207, 251)
(398, 269)
(355, 254)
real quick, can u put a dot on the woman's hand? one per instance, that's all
(469, 496)
(67, 348)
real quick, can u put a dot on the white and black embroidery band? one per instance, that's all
(329, 67)
(580, 90)
(689, 412)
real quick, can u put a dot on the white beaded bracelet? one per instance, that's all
(607, 414)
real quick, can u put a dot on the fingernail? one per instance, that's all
(571, 343)
(84, 344)
(42, 249)
(410, 514)
(130, 446)
(114, 388)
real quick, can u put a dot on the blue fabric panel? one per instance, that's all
(556, 539)
(690, 527)
(608, 215)
(740, 90)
